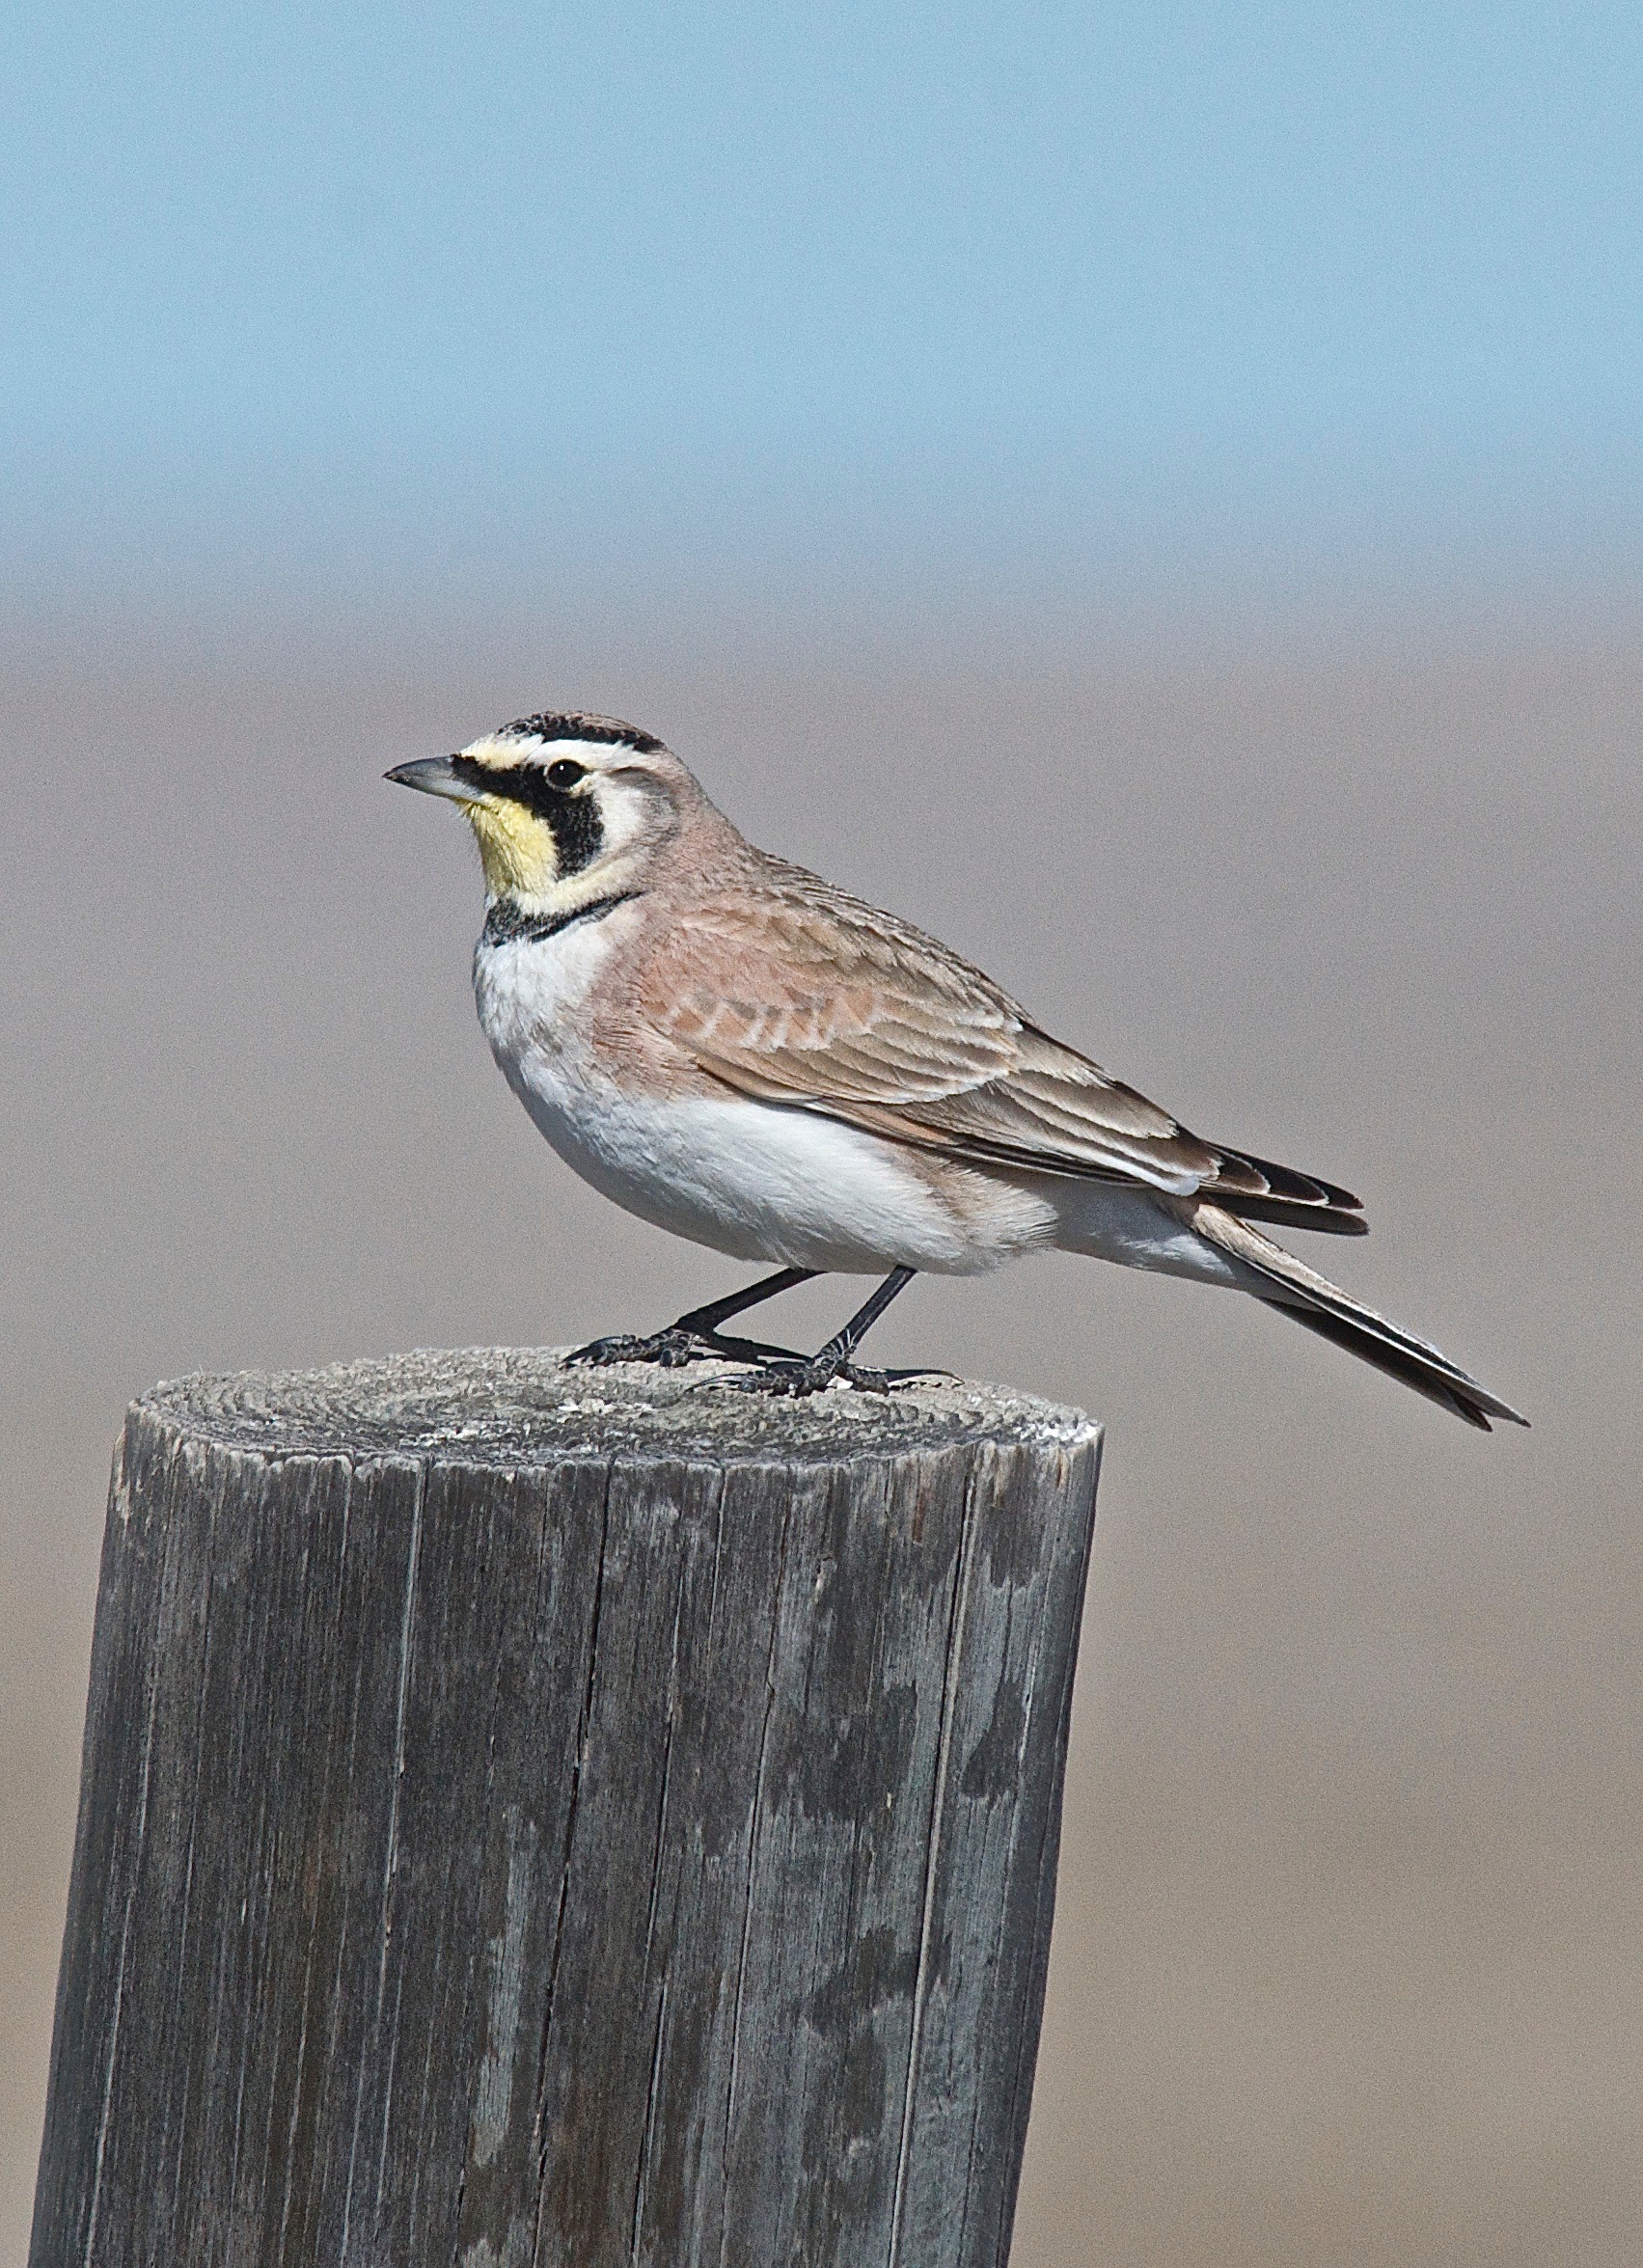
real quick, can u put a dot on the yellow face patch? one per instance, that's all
(516, 849)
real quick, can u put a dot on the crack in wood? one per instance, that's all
(933, 1851)
(753, 1862)
(389, 1863)
(543, 2138)
(134, 1877)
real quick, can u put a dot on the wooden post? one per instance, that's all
(534, 1816)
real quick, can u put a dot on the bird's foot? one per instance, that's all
(796, 1376)
(674, 1348)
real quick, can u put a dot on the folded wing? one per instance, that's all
(802, 996)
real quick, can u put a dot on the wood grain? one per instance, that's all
(542, 1817)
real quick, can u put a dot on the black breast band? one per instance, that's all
(507, 924)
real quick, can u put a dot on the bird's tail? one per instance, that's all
(1296, 1290)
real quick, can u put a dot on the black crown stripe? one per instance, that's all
(573, 725)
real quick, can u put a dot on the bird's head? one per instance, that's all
(566, 808)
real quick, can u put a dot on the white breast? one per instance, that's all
(752, 1179)
(530, 995)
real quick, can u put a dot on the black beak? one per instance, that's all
(434, 775)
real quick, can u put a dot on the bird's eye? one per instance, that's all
(567, 771)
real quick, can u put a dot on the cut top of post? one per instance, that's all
(510, 1408)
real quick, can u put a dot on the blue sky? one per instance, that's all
(353, 293)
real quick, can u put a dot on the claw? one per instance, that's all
(670, 1350)
(675, 1350)
(798, 1378)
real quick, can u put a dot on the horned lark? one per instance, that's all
(732, 1048)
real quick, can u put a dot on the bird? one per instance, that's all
(740, 1052)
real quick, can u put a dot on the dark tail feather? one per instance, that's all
(1444, 1386)
(1327, 1220)
(1295, 1289)
(1256, 1189)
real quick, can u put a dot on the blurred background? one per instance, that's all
(1156, 494)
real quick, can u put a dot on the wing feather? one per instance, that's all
(803, 995)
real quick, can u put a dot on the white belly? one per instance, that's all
(750, 1179)
(754, 1181)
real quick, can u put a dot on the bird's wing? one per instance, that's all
(804, 997)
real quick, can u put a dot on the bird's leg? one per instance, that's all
(695, 1337)
(795, 1374)
(705, 1322)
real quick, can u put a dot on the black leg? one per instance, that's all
(717, 1311)
(792, 1376)
(843, 1344)
(695, 1336)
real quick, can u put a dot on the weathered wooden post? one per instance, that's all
(534, 1816)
